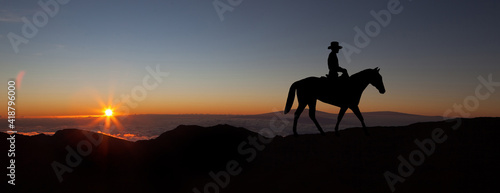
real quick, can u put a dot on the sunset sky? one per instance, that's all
(90, 53)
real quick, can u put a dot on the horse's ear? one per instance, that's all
(377, 69)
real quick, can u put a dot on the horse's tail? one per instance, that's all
(291, 97)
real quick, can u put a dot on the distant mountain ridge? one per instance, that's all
(194, 157)
(150, 126)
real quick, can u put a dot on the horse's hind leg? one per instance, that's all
(339, 118)
(299, 110)
(312, 115)
(360, 117)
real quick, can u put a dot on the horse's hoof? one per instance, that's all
(295, 135)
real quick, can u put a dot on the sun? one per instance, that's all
(108, 112)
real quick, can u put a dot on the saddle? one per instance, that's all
(335, 81)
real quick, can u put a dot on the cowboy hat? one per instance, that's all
(334, 45)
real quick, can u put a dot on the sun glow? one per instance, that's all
(108, 112)
(109, 120)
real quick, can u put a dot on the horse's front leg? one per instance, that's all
(339, 118)
(360, 117)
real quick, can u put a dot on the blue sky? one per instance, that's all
(430, 54)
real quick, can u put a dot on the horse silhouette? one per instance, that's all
(345, 93)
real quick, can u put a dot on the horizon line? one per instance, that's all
(136, 114)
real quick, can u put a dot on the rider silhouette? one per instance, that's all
(333, 62)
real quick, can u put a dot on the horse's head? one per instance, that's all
(376, 80)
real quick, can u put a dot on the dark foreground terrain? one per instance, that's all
(459, 155)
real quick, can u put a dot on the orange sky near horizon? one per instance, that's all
(91, 102)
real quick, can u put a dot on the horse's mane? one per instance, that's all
(361, 73)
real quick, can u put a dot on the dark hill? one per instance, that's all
(188, 159)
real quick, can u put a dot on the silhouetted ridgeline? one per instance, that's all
(150, 126)
(188, 159)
